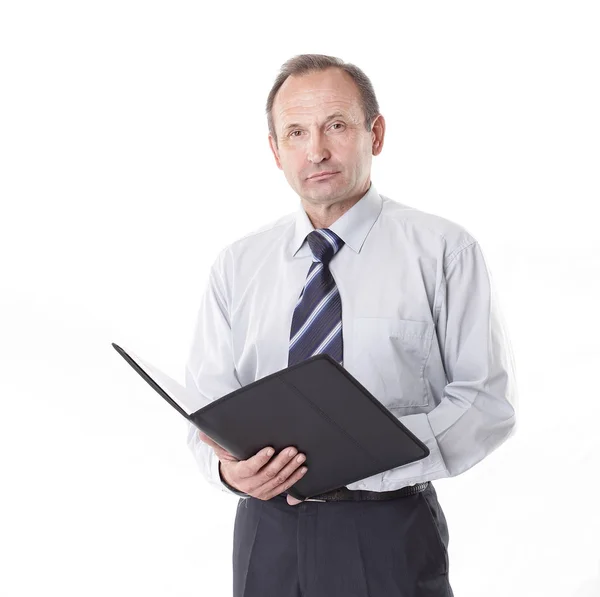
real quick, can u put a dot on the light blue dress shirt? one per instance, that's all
(420, 323)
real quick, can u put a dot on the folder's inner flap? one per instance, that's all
(188, 401)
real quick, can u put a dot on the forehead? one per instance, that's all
(314, 95)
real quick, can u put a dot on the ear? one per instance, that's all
(378, 134)
(275, 151)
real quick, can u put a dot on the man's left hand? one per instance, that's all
(223, 454)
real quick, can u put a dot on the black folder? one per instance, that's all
(316, 406)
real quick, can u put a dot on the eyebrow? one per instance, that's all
(336, 114)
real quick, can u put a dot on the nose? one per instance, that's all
(317, 150)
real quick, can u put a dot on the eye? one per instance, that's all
(337, 123)
(292, 133)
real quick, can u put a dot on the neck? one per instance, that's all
(324, 215)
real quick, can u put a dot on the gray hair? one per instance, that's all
(308, 63)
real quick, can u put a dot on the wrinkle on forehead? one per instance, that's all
(316, 104)
(317, 96)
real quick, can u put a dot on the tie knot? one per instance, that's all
(324, 244)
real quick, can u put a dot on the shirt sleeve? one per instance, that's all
(477, 412)
(210, 368)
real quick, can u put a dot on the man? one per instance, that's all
(402, 299)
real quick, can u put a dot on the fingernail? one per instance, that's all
(270, 452)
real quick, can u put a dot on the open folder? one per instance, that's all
(315, 405)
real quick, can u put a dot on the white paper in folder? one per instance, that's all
(189, 402)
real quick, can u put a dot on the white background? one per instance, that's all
(133, 147)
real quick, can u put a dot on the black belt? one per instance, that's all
(343, 493)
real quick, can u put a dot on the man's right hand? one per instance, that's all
(260, 476)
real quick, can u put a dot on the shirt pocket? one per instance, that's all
(390, 358)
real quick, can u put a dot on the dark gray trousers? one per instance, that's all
(393, 548)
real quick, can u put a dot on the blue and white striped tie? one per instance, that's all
(317, 319)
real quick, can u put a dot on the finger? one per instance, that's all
(219, 450)
(292, 501)
(210, 441)
(254, 464)
(284, 479)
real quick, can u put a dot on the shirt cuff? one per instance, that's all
(427, 469)
(226, 485)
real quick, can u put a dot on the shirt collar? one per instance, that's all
(352, 227)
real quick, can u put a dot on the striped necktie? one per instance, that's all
(317, 320)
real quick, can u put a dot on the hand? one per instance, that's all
(261, 476)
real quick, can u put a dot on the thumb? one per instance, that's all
(220, 451)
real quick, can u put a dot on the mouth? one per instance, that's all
(323, 176)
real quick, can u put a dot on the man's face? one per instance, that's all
(320, 127)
